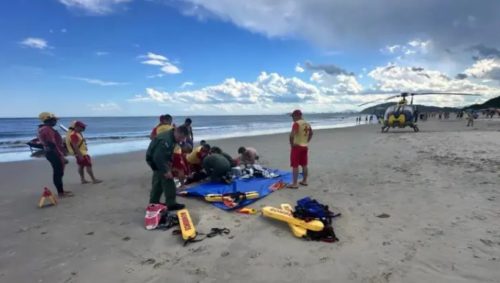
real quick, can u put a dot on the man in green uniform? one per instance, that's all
(159, 158)
(217, 167)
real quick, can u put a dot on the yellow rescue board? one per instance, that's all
(187, 227)
(297, 231)
(220, 198)
(283, 215)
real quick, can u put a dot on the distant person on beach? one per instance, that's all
(247, 155)
(300, 137)
(159, 157)
(77, 146)
(54, 150)
(190, 138)
(164, 125)
(470, 119)
(366, 119)
(195, 158)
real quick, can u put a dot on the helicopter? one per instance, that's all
(402, 114)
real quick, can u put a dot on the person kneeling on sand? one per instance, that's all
(195, 158)
(159, 157)
(217, 150)
(300, 137)
(217, 167)
(76, 145)
(247, 155)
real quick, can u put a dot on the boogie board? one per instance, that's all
(286, 216)
(187, 227)
(297, 231)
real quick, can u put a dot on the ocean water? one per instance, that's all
(109, 135)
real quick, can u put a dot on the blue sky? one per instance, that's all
(145, 57)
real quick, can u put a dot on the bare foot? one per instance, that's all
(303, 183)
(97, 181)
(292, 186)
(85, 182)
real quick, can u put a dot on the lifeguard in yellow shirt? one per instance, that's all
(164, 125)
(300, 136)
(195, 158)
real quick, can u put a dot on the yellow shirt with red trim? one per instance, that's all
(75, 137)
(163, 128)
(301, 130)
(195, 156)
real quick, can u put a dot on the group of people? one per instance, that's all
(170, 154)
(359, 119)
(56, 149)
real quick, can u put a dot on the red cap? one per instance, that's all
(296, 112)
(79, 124)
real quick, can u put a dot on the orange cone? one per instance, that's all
(47, 194)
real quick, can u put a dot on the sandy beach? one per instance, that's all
(439, 189)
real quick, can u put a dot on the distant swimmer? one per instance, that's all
(300, 136)
(54, 150)
(77, 146)
(164, 125)
(247, 155)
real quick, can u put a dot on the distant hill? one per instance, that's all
(492, 103)
(380, 108)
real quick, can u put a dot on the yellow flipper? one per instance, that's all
(284, 215)
(220, 198)
(187, 227)
(297, 231)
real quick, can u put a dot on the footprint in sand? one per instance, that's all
(148, 261)
(383, 215)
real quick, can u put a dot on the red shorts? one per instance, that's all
(298, 156)
(178, 163)
(85, 161)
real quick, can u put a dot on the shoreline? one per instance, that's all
(106, 148)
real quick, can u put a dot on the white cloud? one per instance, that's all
(298, 68)
(105, 107)
(415, 46)
(97, 81)
(163, 62)
(488, 68)
(34, 42)
(391, 48)
(186, 84)
(327, 91)
(394, 78)
(101, 53)
(94, 7)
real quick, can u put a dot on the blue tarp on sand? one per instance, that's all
(261, 185)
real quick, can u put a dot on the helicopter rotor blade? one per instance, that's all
(445, 93)
(373, 101)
